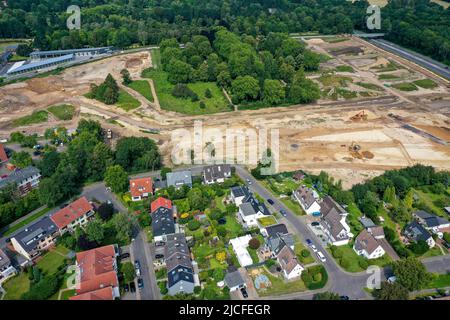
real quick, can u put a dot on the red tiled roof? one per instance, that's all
(96, 268)
(100, 294)
(140, 186)
(3, 156)
(73, 211)
(161, 202)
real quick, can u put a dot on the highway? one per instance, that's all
(423, 61)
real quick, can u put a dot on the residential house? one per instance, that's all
(76, 214)
(25, 179)
(289, 263)
(234, 281)
(97, 274)
(6, 268)
(239, 193)
(432, 223)
(274, 244)
(368, 246)
(141, 188)
(180, 270)
(216, 173)
(333, 222)
(274, 230)
(367, 222)
(161, 202)
(33, 240)
(298, 176)
(416, 232)
(240, 246)
(3, 155)
(179, 179)
(163, 224)
(307, 198)
(251, 210)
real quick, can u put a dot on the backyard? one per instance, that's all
(278, 285)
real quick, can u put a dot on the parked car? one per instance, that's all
(344, 298)
(315, 224)
(137, 267)
(140, 284)
(244, 293)
(124, 256)
(321, 256)
(126, 287)
(159, 256)
(270, 201)
(132, 287)
(309, 242)
(283, 213)
(313, 247)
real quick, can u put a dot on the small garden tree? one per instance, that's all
(254, 243)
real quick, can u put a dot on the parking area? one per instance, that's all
(317, 230)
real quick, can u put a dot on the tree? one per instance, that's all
(94, 231)
(21, 159)
(447, 237)
(116, 178)
(105, 211)
(208, 93)
(179, 71)
(303, 90)
(128, 271)
(98, 160)
(273, 92)
(123, 224)
(389, 195)
(197, 201)
(126, 78)
(193, 225)
(50, 161)
(327, 295)
(254, 243)
(245, 88)
(164, 172)
(411, 273)
(419, 247)
(391, 291)
(136, 154)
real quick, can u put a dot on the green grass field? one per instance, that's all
(50, 261)
(62, 112)
(388, 77)
(35, 117)
(344, 68)
(369, 86)
(217, 103)
(331, 80)
(126, 101)
(405, 86)
(142, 87)
(280, 287)
(425, 83)
(16, 286)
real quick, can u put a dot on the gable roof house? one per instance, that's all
(289, 263)
(180, 271)
(216, 173)
(234, 280)
(432, 222)
(275, 243)
(307, 198)
(275, 230)
(161, 202)
(25, 179)
(97, 274)
(163, 224)
(368, 246)
(251, 210)
(75, 214)
(334, 223)
(416, 232)
(3, 155)
(6, 268)
(239, 193)
(141, 188)
(179, 179)
(33, 240)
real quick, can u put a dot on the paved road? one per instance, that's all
(426, 62)
(440, 264)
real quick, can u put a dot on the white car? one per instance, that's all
(321, 256)
(313, 247)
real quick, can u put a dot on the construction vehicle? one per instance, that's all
(359, 116)
(354, 149)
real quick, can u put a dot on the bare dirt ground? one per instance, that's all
(312, 137)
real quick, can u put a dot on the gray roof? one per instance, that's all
(276, 229)
(215, 172)
(240, 191)
(328, 204)
(162, 222)
(430, 220)
(178, 274)
(305, 196)
(422, 214)
(367, 222)
(68, 51)
(234, 279)
(4, 260)
(177, 252)
(251, 206)
(41, 64)
(18, 176)
(29, 237)
(277, 243)
(179, 178)
(416, 232)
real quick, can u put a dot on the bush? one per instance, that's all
(447, 237)
(363, 264)
(208, 93)
(202, 105)
(345, 263)
(315, 277)
(270, 263)
(305, 253)
(193, 225)
(254, 243)
(181, 90)
(337, 254)
(197, 289)
(44, 289)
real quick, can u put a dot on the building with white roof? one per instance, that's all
(240, 246)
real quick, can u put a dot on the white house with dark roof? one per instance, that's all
(308, 199)
(416, 232)
(250, 211)
(432, 223)
(333, 222)
(216, 173)
(163, 224)
(288, 262)
(368, 246)
(239, 193)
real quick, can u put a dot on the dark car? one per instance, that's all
(124, 256)
(244, 293)
(159, 256)
(140, 284)
(132, 287)
(309, 242)
(344, 298)
(126, 287)
(270, 201)
(315, 224)
(36, 153)
(283, 213)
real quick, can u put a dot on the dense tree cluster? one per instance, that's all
(107, 91)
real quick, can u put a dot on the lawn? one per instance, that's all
(425, 83)
(344, 68)
(293, 206)
(16, 286)
(388, 77)
(50, 261)
(429, 200)
(267, 221)
(26, 221)
(142, 87)
(440, 281)
(280, 286)
(350, 261)
(233, 227)
(331, 80)
(35, 117)
(67, 294)
(299, 247)
(126, 101)
(391, 66)
(219, 203)
(405, 86)
(62, 112)
(369, 86)
(217, 103)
